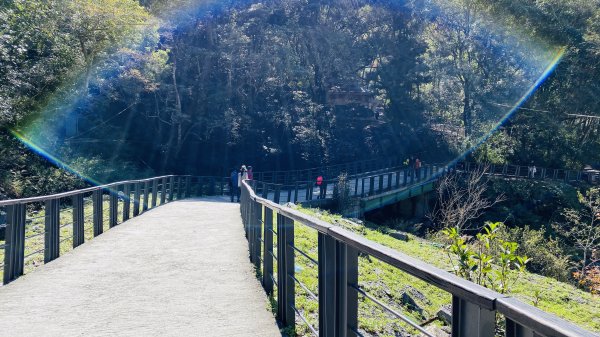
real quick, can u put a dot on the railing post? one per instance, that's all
(285, 271)
(146, 195)
(257, 229)
(188, 183)
(52, 230)
(136, 199)
(163, 191)
(380, 182)
(212, 186)
(14, 252)
(249, 225)
(98, 212)
(347, 283)
(265, 191)
(469, 319)
(171, 188)
(180, 188)
(267, 280)
(154, 192)
(371, 185)
(126, 201)
(327, 284)
(78, 220)
(113, 208)
(405, 180)
(308, 194)
(277, 196)
(296, 187)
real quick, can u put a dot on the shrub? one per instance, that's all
(488, 260)
(547, 256)
(341, 194)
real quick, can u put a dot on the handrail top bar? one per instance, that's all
(379, 160)
(11, 202)
(539, 320)
(372, 172)
(362, 175)
(444, 280)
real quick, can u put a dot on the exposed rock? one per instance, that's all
(445, 314)
(417, 294)
(410, 303)
(437, 331)
(399, 235)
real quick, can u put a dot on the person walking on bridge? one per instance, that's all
(418, 168)
(241, 176)
(322, 186)
(234, 188)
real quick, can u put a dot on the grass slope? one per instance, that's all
(388, 284)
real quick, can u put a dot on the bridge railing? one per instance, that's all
(539, 173)
(361, 185)
(353, 168)
(38, 230)
(273, 250)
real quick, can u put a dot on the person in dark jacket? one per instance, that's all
(234, 188)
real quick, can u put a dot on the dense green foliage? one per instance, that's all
(201, 85)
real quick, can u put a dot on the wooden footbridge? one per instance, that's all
(169, 256)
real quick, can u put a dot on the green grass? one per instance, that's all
(388, 283)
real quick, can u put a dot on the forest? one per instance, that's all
(119, 88)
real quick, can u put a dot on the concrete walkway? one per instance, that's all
(179, 270)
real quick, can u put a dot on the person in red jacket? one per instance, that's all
(322, 186)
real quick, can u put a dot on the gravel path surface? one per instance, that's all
(181, 269)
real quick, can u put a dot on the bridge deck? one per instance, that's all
(181, 269)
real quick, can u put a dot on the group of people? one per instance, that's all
(531, 171)
(235, 180)
(415, 164)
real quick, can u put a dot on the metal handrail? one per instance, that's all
(75, 192)
(467, 296)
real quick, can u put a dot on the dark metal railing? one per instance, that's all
(77, 216)
(474, 308)
(352, 168)
(362, 185)
(530, 172)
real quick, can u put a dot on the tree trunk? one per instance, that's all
(467, 111)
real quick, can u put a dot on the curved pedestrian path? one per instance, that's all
(181, 269)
